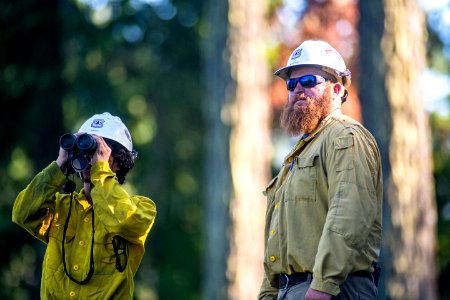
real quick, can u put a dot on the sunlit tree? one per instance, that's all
(249, 146)
(394, 56)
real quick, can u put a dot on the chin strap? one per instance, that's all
(344, 97)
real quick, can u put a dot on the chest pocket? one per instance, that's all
(301, 183)
(344, 153)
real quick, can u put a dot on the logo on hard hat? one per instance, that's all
(296, 54)
(97, 123)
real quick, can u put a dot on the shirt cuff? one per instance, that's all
(55, 172)
(325, 286)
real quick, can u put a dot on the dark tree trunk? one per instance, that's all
(217, 81)
(392, 59)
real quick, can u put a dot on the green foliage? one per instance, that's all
(440, 127)
(66, 61)
(441, 156)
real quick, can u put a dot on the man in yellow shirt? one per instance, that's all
(95, 238)
(323, 220)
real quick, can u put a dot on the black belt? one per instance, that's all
(365, 274)
(285, 281)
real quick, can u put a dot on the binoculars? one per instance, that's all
(80, 149)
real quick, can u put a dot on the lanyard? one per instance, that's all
(91, 260)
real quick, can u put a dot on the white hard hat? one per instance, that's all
(110, 127)
(317, 54)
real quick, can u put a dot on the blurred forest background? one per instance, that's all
(192, 80)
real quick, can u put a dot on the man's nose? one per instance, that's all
(299, 88)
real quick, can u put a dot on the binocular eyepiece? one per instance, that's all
(80, 149)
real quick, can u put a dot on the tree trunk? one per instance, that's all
(249, 146)
(216, 78)
(410, 227)
(375, 109)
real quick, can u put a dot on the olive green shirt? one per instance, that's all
(324, 207)
(43, 211)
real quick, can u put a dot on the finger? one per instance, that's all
(100, 140)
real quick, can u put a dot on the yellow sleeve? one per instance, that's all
(35, 205)
(129, 216)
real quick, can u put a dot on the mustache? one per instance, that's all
(291, 104)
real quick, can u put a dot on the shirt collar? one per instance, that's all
(305, 138)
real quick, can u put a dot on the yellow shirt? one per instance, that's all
(43, 211)
(324, 207)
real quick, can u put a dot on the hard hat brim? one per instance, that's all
(282, 73)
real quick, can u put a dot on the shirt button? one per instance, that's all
(75, 267)
(276, 205)
(272, 232)
(86, 219)
(81, 243)
(272, 258)
(72, 294)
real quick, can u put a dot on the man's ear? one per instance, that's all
(338, 89)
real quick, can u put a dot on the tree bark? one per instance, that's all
(249, 146)
(217, 80)
(410, 238)
(375, 109)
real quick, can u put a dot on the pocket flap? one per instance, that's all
(303, 162)
(343, 142)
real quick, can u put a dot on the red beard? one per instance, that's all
(296, 120)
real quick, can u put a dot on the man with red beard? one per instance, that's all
(323, 220)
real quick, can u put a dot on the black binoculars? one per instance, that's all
(80, 149)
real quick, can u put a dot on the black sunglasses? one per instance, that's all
(306, 81)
